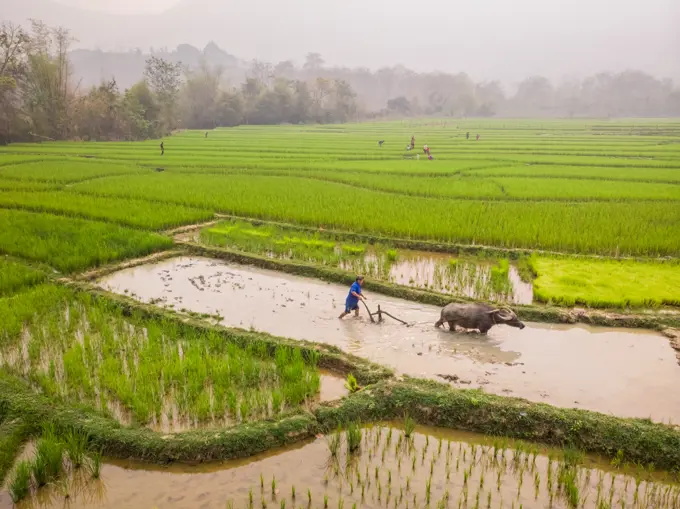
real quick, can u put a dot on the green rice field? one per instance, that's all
(537, 215)
(87, 352)
(569, 187)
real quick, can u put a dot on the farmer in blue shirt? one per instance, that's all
(352, 301)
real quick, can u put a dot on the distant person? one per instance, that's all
(426, 150)
(413, 142)
(467, 136)
(352, 301)
(478, 137)
(380, 143)
(206, 134)
(162, 148)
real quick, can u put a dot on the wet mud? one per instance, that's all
(622, 372)
(432, 467)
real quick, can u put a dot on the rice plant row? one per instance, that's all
(81, 350)
(385, 467)
(648, 228)
(606, 283)
(70, 244)
(15, 275)
(65, 170)
(57, 461)
(475, 186)
(128, 212)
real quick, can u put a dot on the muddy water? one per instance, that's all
(623, 372)
(387, 471)
(332, 387)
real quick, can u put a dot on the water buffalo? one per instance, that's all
(477, 316)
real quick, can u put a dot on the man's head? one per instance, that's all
(360, 280)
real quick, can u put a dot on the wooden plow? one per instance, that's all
(380, 314)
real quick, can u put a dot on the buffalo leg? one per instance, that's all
(452, 325)
(439, 323)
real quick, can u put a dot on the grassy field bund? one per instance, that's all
(588, 212)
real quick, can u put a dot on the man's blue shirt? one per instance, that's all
(351, 299)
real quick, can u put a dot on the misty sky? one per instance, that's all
(505, 39)
(122, 6)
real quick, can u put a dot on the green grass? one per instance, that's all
(606, 283)
(649, 228)
(70, 244)
(472, 186)
(25, 185)
(149, 368)
(71, 170)
(582, 172)
(12, 435)
(128, 212)
(15, 275)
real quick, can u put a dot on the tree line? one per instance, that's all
(41, 100)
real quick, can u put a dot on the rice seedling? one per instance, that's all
(292, 493)
(75, 446)
(95, 464)
(325, 502)
(273, 486)
(48, 462)
(20, 483)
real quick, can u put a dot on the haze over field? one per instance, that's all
(488, 39)
(141, 69)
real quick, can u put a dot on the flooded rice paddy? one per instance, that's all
(441, 273)
(431, 468)
(623, 372)
(478, 278)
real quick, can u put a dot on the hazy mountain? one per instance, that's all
(488, 39)
(91, 67)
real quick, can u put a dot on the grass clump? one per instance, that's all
(351, 384)
(15, 275)
(409, 426)
(354, 435)
(20, 483)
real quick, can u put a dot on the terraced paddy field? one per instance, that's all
(183, 309)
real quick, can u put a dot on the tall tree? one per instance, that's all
(165, 79)
(48, 92)
(142, 112)
(14, 42)
(313, 62)
(200, 96)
